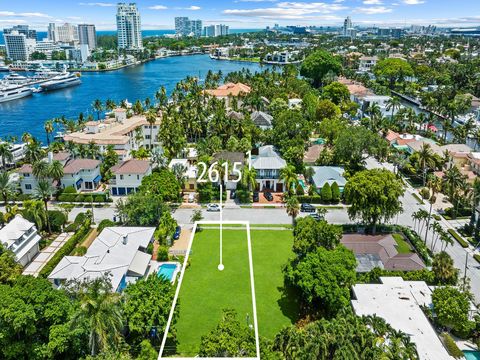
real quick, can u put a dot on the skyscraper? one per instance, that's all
(22, 29)
(186, 27)
(87, 35)
(18, 46)
(216, 30)
(129, 28)
(52, 32)
(347, 25)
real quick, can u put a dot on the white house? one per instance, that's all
(128, 176)
(21, 237)
(119, 252)
(83, 174)
(367, 63)
(268, 165)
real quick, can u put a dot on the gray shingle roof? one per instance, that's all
(260, 118)
(268, 159)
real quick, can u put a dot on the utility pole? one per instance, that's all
(466, 267)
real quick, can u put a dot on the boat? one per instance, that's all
(16, 79)
(4, 68)
(10, 92)
(45, 74)
(61, 81)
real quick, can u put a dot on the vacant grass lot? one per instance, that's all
(206, 291)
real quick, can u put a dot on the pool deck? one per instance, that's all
(155, 265)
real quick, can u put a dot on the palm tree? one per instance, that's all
(40, 169)
(444, 268)
(308, 173)
(44, 192)
(437, 230)
(26, 137)
(36, 211)
(98, 107)
(249, 178)
(434, 186)
(151, 117)
(179, 171)
(161, 97)
(5, 153)
(55, 171)
(48, 126)
(452, 181)
(393, 104)
(289, 177)
(33, 151)
(293, 208)
(110, 104)
(6, 188)
(426, 159)
(100, 309)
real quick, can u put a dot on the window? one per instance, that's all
(191, 186)
(121, 177)
(138, 177)
(28, 186)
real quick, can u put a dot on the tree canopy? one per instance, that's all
(310, 234)
(318, 64)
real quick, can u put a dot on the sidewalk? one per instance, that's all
(46, 254)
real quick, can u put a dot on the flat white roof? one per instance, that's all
(398, 303)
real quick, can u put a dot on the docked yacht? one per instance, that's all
(45, 74)
(61, 81)
(16, 79)
(10, 92)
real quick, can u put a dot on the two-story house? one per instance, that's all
(21, 237)
(268, 164)
(128, 176)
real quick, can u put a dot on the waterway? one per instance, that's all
(132, 83)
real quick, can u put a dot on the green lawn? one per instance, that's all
(206, 291)
(402, 245)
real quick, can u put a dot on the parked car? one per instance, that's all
(308, 208)
(233, 194)
(213, 207)
(316, 217)
(256, 198)
(191, 197)
(176, 234)
(268, 196)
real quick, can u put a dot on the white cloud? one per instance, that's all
(26, 14)
(192, 8)
(288, 10)
(413, 2)
(158, 7)
(372, 2)
(374, 10)
(256, 1)
(101, 4)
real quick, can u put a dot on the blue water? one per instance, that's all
(139, 82)
(471, 355)
(145, 33)
(167, 270)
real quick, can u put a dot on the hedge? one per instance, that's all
(66, 249)
(315, 199)
(476, 257)
(451, 346)
(88, 198)
(458, 238)
(105, 223)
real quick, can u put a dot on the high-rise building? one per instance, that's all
(22, 29)
(18, 46)
(66, 33)
(52, 32)
(129, 29)
(186, 27)
(87, 35)
(347, 25)
(216, 30)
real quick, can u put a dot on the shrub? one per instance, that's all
(66, 249)
(425, 193)
(419, 245)
(79, 198)
(80, 251)
(105, 223)
(457, 237)
(373, 276)
(326, 193)
(451, 346)
(476, 257)
(300, 190)
(88, 199)
(99, 198)
(162, 253)
(150, 248)
(315, 199)
(63, 198)
(69, 190)
(243, 196)
(335, 192)
(57, 220)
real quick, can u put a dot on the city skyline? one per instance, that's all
(158, 14)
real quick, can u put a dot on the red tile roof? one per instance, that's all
(132, 166)
(76, 165)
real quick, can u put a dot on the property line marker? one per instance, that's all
(221, 266)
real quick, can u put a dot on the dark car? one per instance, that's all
(233, 194)
(256, 197)
(309, 208)
(268, 196)
(316, 217)
(176, 234)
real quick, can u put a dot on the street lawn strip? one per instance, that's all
(402, 246)
(457, 237)
(206, 291)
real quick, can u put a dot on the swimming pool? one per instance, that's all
(167, 270)
(471, 355)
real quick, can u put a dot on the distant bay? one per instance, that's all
(139, 82)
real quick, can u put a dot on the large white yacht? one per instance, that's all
(61, 81)
(16, 79)
(10, 92)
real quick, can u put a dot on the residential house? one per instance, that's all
(367, 63)
(190, 172)
(119, 252)
(312, 154)
(233, 157)
(328, 174)
(268, 164)
(400, 304)
(21, 237)
(230, 91)
(262, 120)
(128, 176)
(124, 133)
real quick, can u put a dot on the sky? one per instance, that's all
(246, 14)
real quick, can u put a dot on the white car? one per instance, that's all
(213, 207)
